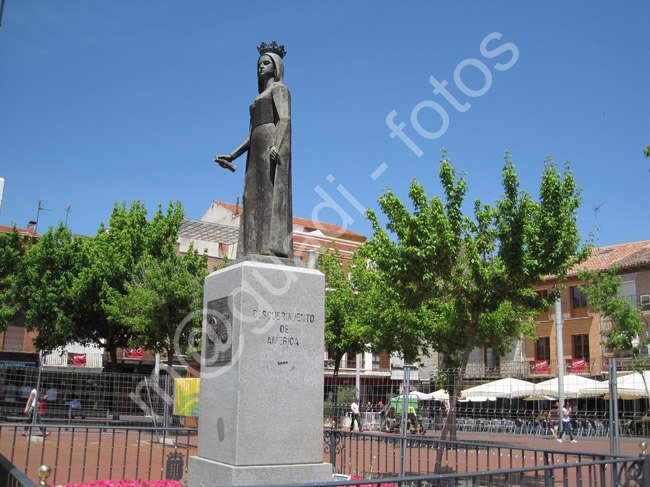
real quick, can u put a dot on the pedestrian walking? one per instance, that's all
(566, 424)
(554, 417)
(32, 409)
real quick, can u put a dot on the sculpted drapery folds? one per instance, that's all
(266, 221)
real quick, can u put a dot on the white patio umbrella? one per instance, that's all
(439, 395)
(574, 386)
(632, 386)
(509, 388)
(479, 398)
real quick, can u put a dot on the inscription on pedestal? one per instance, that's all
(289, 322)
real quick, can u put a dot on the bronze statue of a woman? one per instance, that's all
(266, 226)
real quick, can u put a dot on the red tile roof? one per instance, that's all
(621, 255)
(25, 232)
(327, 229)
(309, 225)
(236, 209)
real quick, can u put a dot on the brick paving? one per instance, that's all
(84, 454)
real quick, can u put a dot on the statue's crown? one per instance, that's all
(272, 47)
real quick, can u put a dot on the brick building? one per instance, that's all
(583, 329)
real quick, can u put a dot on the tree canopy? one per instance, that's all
(12, 249)
(348, 299)
(89, 290)
(158, 298)
(450, 282)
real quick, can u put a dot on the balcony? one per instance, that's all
(65, 359)
(587, 367)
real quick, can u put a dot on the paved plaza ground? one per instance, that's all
(85, 455)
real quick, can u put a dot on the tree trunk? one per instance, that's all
(112, 350)
(450, 423)
(170, 356)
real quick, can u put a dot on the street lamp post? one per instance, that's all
(559, 339)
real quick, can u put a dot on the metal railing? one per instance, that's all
(85, 453)
(436, 462)
(10, 476)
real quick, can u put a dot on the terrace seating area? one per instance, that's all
(596, 425)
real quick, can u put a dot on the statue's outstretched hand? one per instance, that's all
(225, 162)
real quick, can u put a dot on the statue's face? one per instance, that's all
(266, 68)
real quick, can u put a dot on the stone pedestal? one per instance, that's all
(261, 402)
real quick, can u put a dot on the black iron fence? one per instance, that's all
(80, 454)
(10, 476)
(428, 462)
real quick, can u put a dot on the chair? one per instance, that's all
(520, 425)
(542, 428)
(530, 426)
(625, 427)
(509, 426)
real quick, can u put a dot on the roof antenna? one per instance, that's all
(596, 227)
(38, 213)
(68, 208)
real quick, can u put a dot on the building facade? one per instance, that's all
(583, 352)
(583, 329)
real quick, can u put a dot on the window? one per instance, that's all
(376, 361)
(544, 315)
(351, 362)
(489, 359)
(627, 290)
(578, 302)
(581, 346)
(14, 338)
(543, 349)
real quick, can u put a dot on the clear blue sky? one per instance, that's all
(105, 101)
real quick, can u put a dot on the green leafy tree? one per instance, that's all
(69, 282)
(12, 250)
(646, 151)
(349, 296)
(628, 333)
(159, 297)
(452, 283)
(47, 278)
